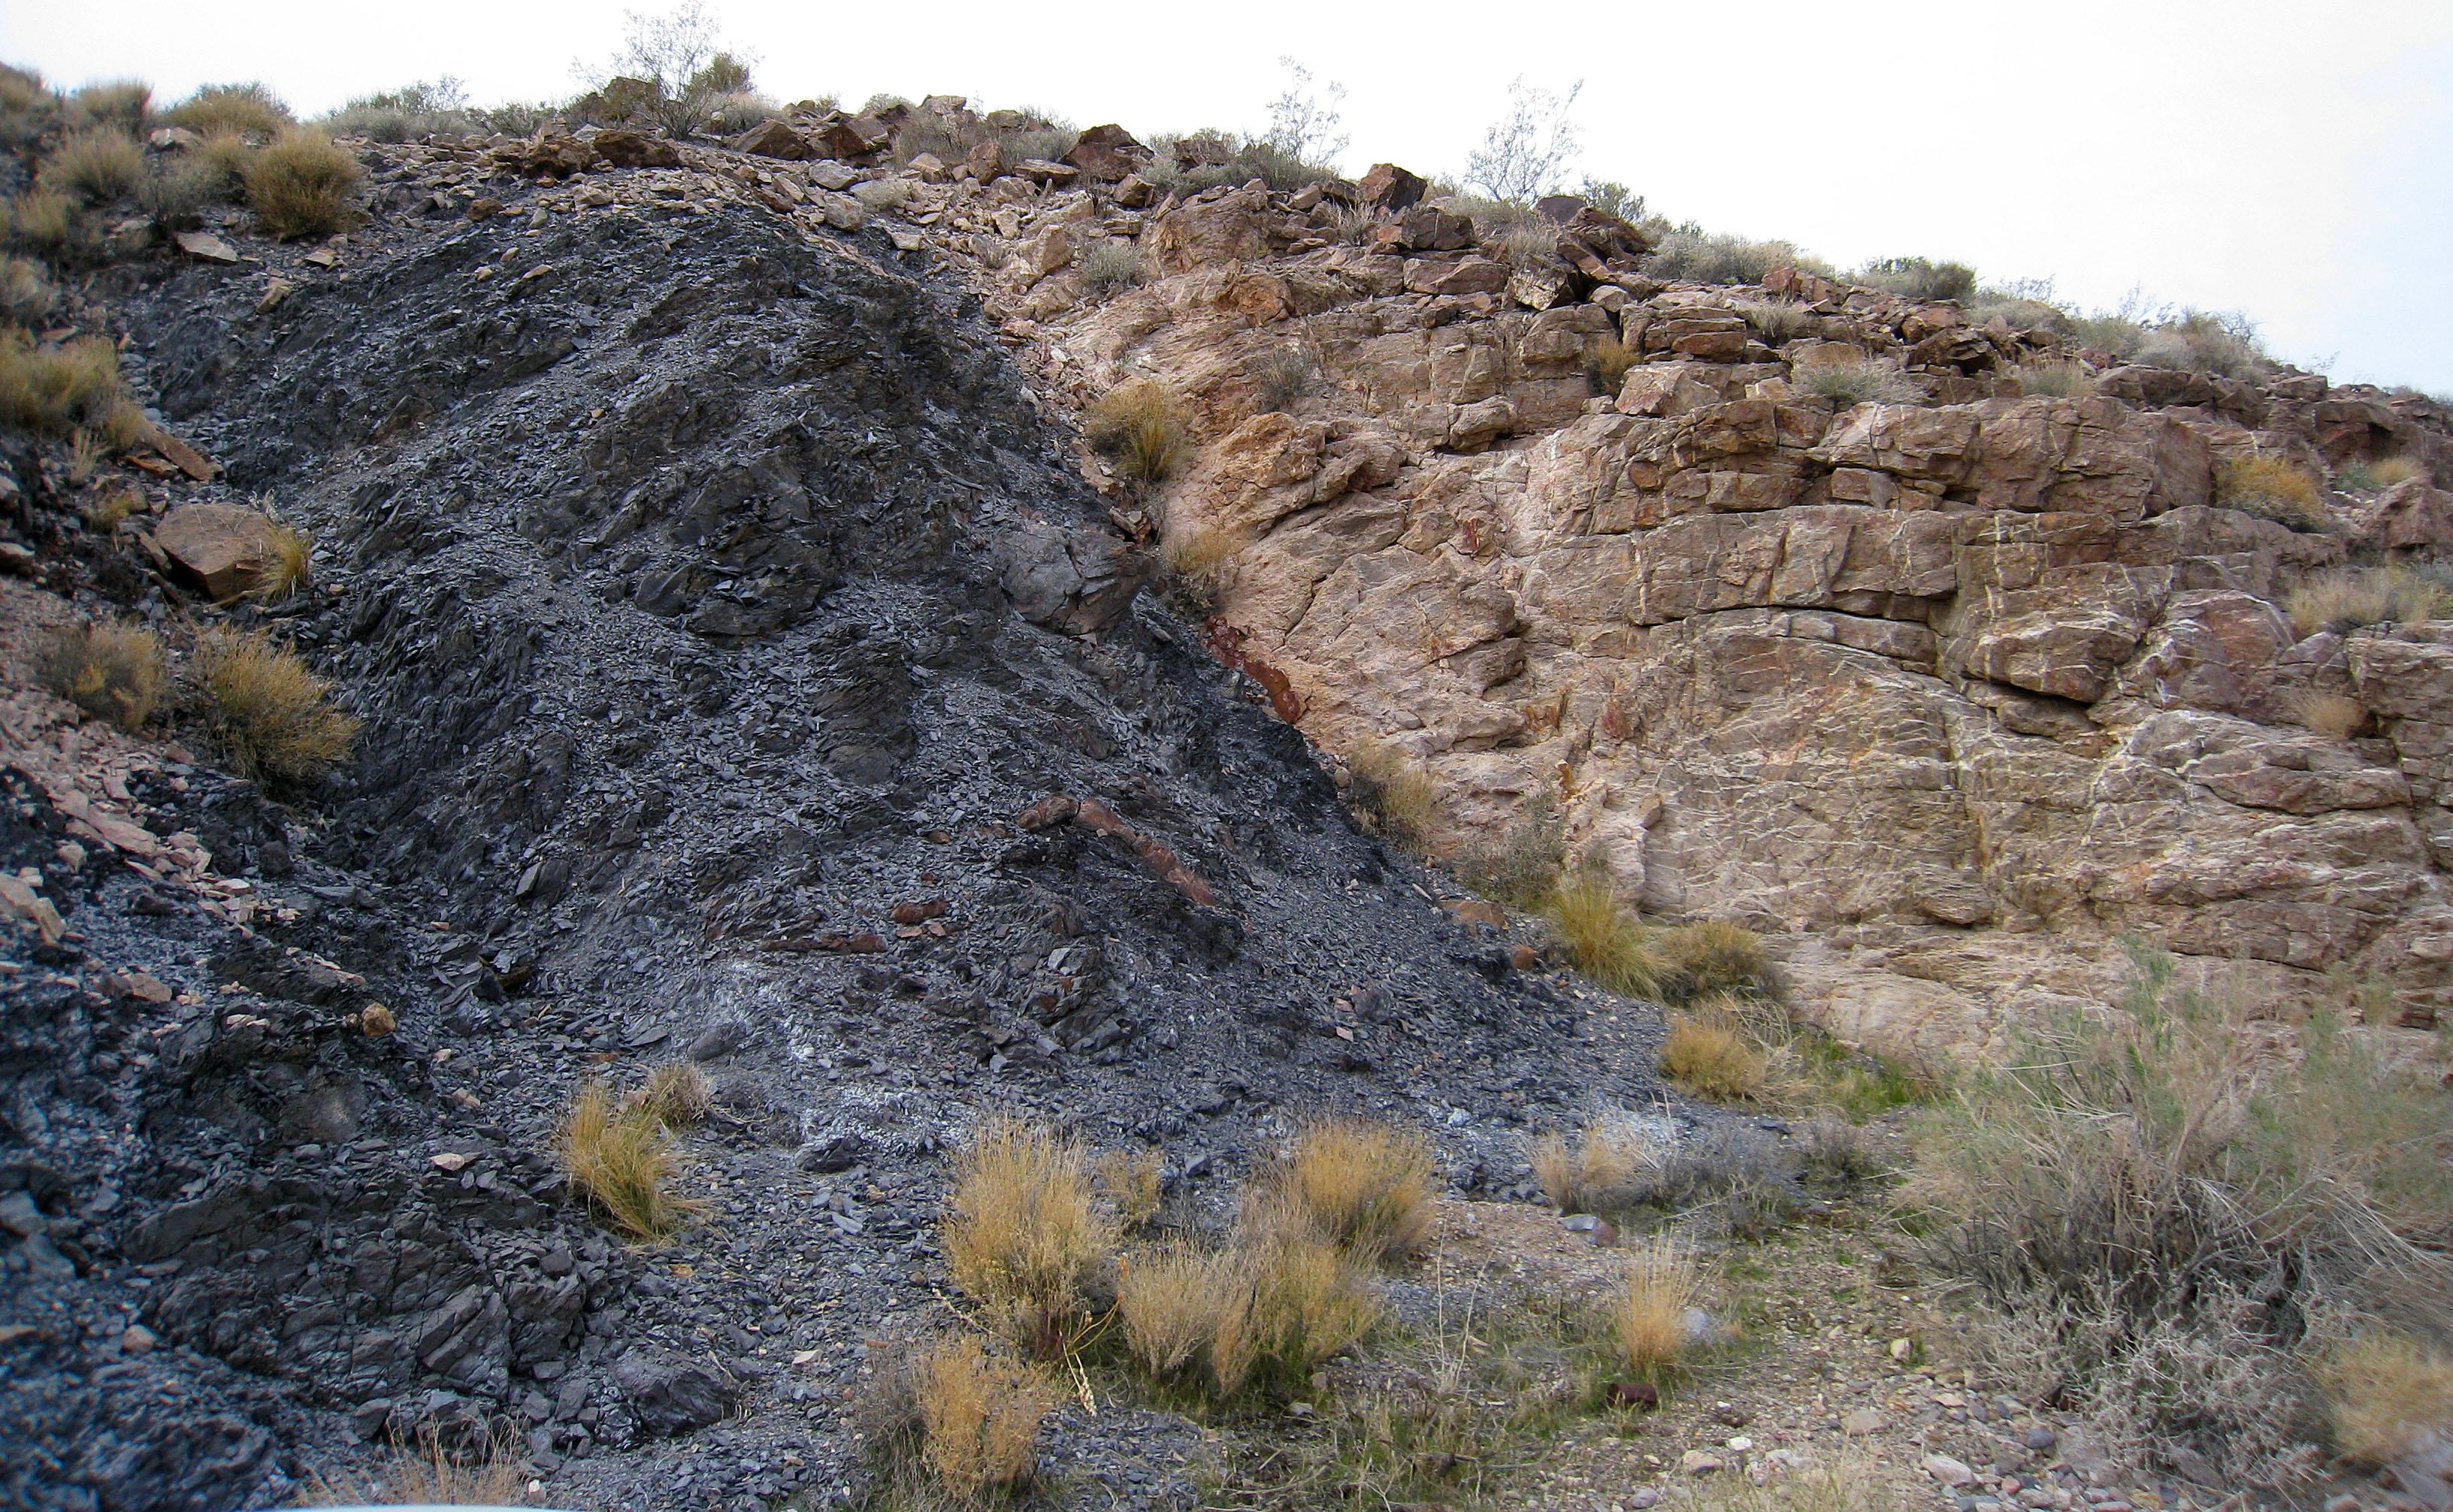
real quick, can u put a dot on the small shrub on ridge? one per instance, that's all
(2354, 597)
(243, 108)
(1859, 381)
(2275, 489)
(300, 186)
(100, 163)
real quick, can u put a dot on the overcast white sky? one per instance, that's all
(2290, 160)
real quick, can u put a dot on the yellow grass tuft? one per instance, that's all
(1605, 365)
(1586, 1175)
(234, 109)
(271, 714)
(1178, 1305)
(1128, 1181)
(2382, 1390)
(2389, 471)
(40, 218)
(25, 296)
(1608, 943)
(2353, 597)
(621, 1160)
(675, 1094)
(1714, 955)
(1309, 1301)
(110, 671)
(100, 163)
(1197, 564)
(1395, 793)
(2276, 489)
(1649, 1313)
(56, 389)
(428, 1474)
(1365, 1188)
(2335, 714)
(980, 1418)
(290, 567)
(1024, 1229)
(1708, 1057)
(300, 186)
(1139, 428)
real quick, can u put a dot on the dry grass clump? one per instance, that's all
(1198, 563)
(675, 1094)
(40, 218)
(1394, 792)
(240, 108)
(2061, 380)
(300, 186)
(2353, 597)
(271, 714)
(2335, 714)
(57, 390)
(2393, 471)
(2159, 1205)
(1281, 378)
(1363, 1186)
(1139, 428)
(1845, 1481)
(120, 102)
(1183, 1313)
(1309, 1299)
(101, 164)
(1774, 320)
(1024, 1230)
(1605, 940)
(2273, 488)
(25, 295)
(291, 567)
(979, 1418)
(1714, 955)
(110, 671)
(1919, 278)
(2384, 1390)
(1598, 1172)
(1129, 1182)
(1689, 253)
(621, 1159)
(1708, 1057)
(1521, 865)
(1267, 1309)
(1606, 362)
(1649, 1313)
(1859, 381)
(429, 1475)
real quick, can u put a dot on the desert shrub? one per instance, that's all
(2019, 312)
(1310, 1299)
(1605, 365)
(2354, 477)
(40, 218)
(1774, 320)
(1363, 1186)
(2353, 597)
(675, 1094)
(1129, 1182)
(621, 1159)
(430, 1474)
(272, 715)
(114, 508)
(1394, 793)
(1185, 1310)
(180, 188)
(1110, 267)
(2061, 380)
(1688, 253)
(2225, 346)
(1859, 381)
(26, 105)
(980, 1417)
(25, 296)
(1024, 1231)
(1198, 565)
(2335, 714)
(56, 389)
(110, 671)
(1836, 1150)
(1281, 377)
(243, 108)
(2273, 488)
(1139, 428)
(1599, 1170)
(100, 163)
(300, 186)
(1730, 1177)
(1918, 278)
(1649, 1313)
(1714, 955)
(1521, 865)
(1605, 940)
(2159, 1205)
(735, 111)
(2384, 1390)
(1708, 1056)
(1840, 1481)
(291, 566)
(406, 113)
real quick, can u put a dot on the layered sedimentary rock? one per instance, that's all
(1947, 695)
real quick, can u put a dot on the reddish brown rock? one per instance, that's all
(226, 549)
(1108, 153)
(772, 138)
(637, 150)
(1390, 188)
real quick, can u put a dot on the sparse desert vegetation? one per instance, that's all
(299, 185)
(1139, 427)
(1394, 793)
(111, 671)
(2355, 597)
(271, 713)
(621, 1159)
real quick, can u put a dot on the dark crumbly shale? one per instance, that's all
(718, 600)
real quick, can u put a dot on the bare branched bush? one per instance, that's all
(1522, 866)
(2162, 1207)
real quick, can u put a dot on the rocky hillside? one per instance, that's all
(748, 674)
(1947, 690)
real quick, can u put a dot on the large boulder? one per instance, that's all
(225, 549)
